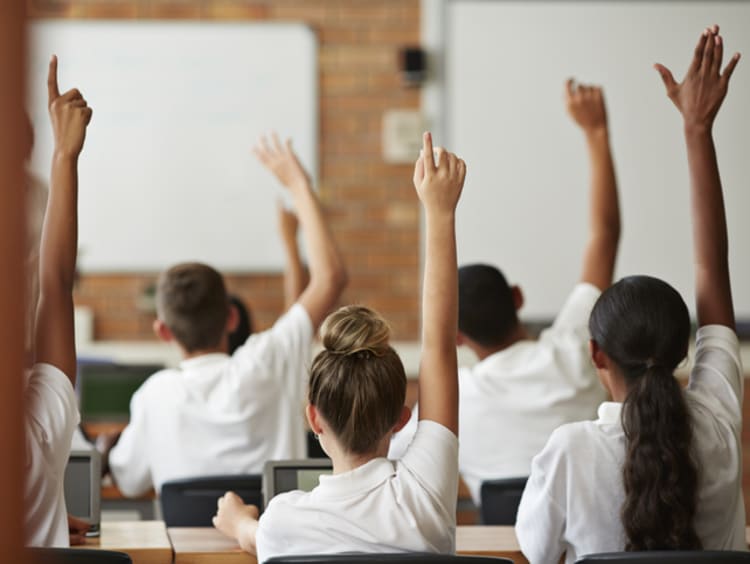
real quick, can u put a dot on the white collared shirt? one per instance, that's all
(573, 498)
(219, 414)
(382, 506)
(51, 417)
(511, 401)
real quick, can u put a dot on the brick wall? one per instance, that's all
(372, 211)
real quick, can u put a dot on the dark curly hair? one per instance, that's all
(643, 326)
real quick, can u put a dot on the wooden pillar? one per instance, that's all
(12, 226)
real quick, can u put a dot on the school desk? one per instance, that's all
(146, 542)
(206, 545)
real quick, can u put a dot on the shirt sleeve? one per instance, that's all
(51, 407)
(574, 315)
(432, 457)
(717, 375)
(285, 349)
(540, 522)
(128, 460)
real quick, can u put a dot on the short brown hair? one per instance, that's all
(192, 301)
(357, 382)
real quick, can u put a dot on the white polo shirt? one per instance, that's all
(573, 498)
(382, 506)
(218, 414)
(51, 417)
(511, 401)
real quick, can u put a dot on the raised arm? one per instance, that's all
(586, 106)
(294, 271)
(698, 98)
(55, 337)
(328, 275)
(439, 188)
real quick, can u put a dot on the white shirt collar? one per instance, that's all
(203, 360)
(358, 481)
(609, 413)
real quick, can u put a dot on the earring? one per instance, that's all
(317, 437)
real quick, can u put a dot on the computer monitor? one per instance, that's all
(83, 486)
(281, 476)
(105, 389)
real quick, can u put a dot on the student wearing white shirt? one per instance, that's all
(221, 414)
(661, 469)
(51, 406)
(523, 389)
(356, 403)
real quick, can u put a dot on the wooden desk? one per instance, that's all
(206, 545)
(145, 541)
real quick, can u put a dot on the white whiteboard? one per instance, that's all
(167, 174)
(525, 206)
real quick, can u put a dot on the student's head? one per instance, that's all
(640, 329)
(244, 327)
(357, 383)
(487, 305)
(193, 308)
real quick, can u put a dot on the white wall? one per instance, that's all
(500, 107)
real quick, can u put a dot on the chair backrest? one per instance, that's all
(75, 556)
(500, 499)
(405, 558)
(192, 502)
(674, 556)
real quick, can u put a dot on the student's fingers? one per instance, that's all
(461, 171)
(261, 154)
(708, 53)
(70, 95)
(729, 69)
(276, 143)
(718, 55)
(427, 156)
(87, 113)
(77, 539)
(569, 88)
(441, 158)
(666, 75)
(698, 53)
(53, 91)
(418, 170)
(288, 146)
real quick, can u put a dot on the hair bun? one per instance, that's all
(356, 330)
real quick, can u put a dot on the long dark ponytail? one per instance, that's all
(643, 326)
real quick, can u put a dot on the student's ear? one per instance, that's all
(403, 419)
(233, 319)
(460, 339)
(162, 331)
(598, 356)
(517, 297)
(313, 419)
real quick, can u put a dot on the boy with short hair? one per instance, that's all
(221, 414)
(51, 405)
(522, 390)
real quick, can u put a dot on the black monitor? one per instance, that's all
(281, 476)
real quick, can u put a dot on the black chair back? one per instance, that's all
(401, 558)
(500, 499)
(192, 502)
(674, 556)
(75, 556)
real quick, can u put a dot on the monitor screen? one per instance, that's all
(289, 479)
(78, 487)
(106, 389)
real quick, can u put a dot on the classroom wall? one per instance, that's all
(370, 204)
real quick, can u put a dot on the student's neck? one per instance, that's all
(346, 462)
(187, 355)
(518, 334)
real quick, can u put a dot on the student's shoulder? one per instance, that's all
(282, 508)
(159, 382)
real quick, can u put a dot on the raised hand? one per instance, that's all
(700, 94)
(69, 114)
(438, 185)
(281, 161)
(586, 106)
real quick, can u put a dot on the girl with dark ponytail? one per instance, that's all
(661, 467)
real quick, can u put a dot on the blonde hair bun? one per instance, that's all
(355, 329)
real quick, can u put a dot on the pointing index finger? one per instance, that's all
(427, 154)
(52, 88)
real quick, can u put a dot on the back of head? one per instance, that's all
(192, 301)
(357, 383)
(486, 309)
(643, 326)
